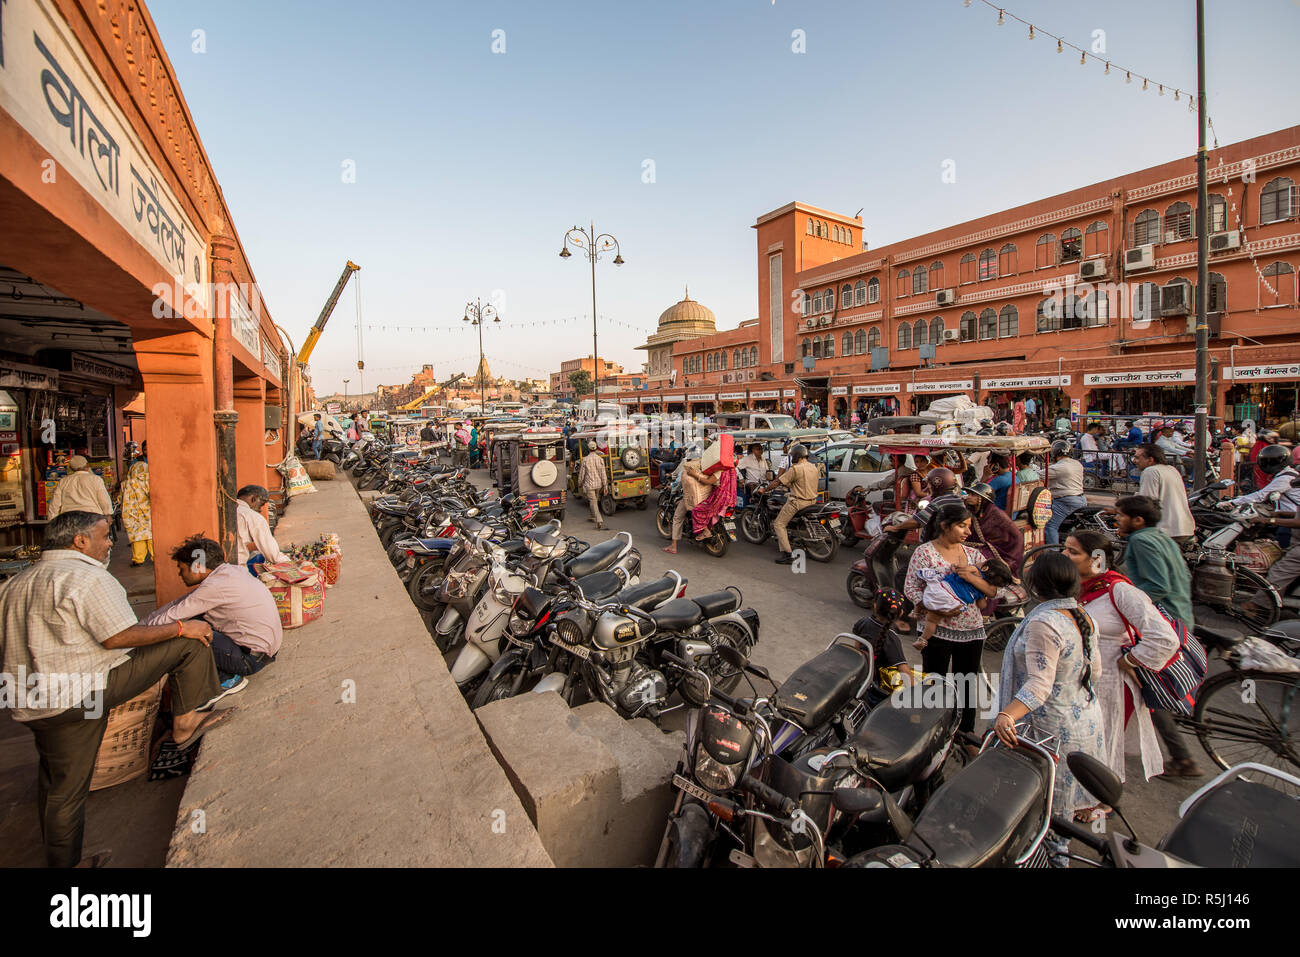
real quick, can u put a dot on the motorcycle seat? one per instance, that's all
(677, 615)
(431, 546)
(898, 742)
(515, 546)
(649, 594)
(601, 585)
(820, 686)
(987, 814)
(1239, 824)
(808, 511)
(594, 559)
(717, 603)
(1289, 628)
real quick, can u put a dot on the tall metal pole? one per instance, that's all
(1202, 262)
(482, 394)
(595, 352)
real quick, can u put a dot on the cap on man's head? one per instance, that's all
(77, 463)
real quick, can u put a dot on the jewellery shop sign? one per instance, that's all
(48, 85)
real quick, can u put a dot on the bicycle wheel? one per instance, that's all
(998, 632)
(1032, 554)
(1254, 602)
(1250, 716)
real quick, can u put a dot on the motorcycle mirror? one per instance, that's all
(731, 657)
(856, 800)
(1274, 498)
(1097, 779)
(760, 672)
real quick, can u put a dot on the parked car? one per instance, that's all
(850, 465)
(749, 420)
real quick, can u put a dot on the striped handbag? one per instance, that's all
(1173, 688)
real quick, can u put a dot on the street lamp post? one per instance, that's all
(345, 393)
(592, 246)
(477, 313)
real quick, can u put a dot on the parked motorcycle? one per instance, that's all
(815, 529)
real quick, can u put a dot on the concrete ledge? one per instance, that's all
(596, 787)
(401, 777)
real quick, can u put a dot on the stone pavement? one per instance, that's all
(401, 777)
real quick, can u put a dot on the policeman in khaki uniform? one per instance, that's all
(801, 478)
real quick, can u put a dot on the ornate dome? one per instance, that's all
(687, 311)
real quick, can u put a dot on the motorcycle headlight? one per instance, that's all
(712, 775)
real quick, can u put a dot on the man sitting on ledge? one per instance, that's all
(67, 618)
(256, 544)
(246, 632)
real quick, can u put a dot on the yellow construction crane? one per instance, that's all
(305, 353)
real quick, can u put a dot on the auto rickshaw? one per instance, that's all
(1028, 503)
(626, 451)
(530, 464)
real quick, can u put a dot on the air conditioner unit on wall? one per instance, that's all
(1139, 258)
(1225, 241)
(952, 335)
(1092, 269)
(810, 323)
(945, 297)
(1173, 300)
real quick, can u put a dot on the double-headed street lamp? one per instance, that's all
(477, 313)
(592, 246)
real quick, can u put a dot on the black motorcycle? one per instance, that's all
(721, 533)
(815, 529)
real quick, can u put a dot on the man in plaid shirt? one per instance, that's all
(66, 618)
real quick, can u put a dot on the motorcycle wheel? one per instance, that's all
(751, 527)
(820, 544)
(998, 633)
(423, 586)
(664, 522)
(1091, 482)
(388, 534)
(607, 505)
(717, 543)
(723, 676)
(333, 457)
(1233, 732)
(860, 591)
(498, 689)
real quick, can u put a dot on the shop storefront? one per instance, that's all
(731, 401)
(1046, 392)
(876, 399)
(765, 400)
(923, 393)
(1154, 392)
(1265, 394)
(702, 403)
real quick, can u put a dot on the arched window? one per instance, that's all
(1146, 303)
(873, 290)
(859, 293)
(736, 361)
(860, 341)
(807, 304)
(828, 300)
(807, 347)
(753, 355)
(816, 304)
(1096, 239)
(1007, 257)
(1176, 298)
(988, 324)
(873, 339)
(817, 347)
(1216, 299)
(1178, 223)
(988, 265)
(1071, 245)
(1072, 312)
(966, 269)
(967, 327)
(1146, 228)
(828, 346)
(1049, 314)
(708, 363)
(904, 283)
(810, 226)
(1278, 201)
(936, 275)
(904, 335)
(1045, 251)
(722, 358)
(1281, 277)
(846, 345)
(846, 296)
(1216, 217)
(1008, 322)
(936, 330)
(919, 281)
(1097, 309)
(920, 333)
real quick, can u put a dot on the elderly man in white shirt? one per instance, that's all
(81, 490)
(1162, 482)
(70, 638)
(256, 544)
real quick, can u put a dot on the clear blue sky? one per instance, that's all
(470, 165)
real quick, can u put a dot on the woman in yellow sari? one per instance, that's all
(136, 517)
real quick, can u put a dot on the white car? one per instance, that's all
(850, 465)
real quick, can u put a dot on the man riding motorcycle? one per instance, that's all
(802, 479)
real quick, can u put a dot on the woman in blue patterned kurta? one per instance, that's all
(1051, 662)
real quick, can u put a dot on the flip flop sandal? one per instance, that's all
(1089, 815)
(171, 762)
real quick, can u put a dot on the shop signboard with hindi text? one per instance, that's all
(1026, 382)
(840, 390)
(731, 396)
(14, 375)
(956, 385)
(879, 388)
(1252, 373)
(766, 394)
(48, 85)
(1125, 379)
(93, 368)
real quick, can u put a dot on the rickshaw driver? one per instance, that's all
(802, 479)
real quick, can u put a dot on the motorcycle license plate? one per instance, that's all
(731, 529)
(409, 563)
(693, 789)
(834, 523)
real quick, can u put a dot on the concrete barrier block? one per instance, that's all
(320, 470)
(596, 787)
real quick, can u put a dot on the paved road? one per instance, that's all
(801, 613)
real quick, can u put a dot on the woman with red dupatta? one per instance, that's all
(712, 508)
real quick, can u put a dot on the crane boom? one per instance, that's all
(305, 353)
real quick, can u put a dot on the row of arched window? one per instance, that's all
(717, 361)
(832, 231)
(851, 344)
(859, 294)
